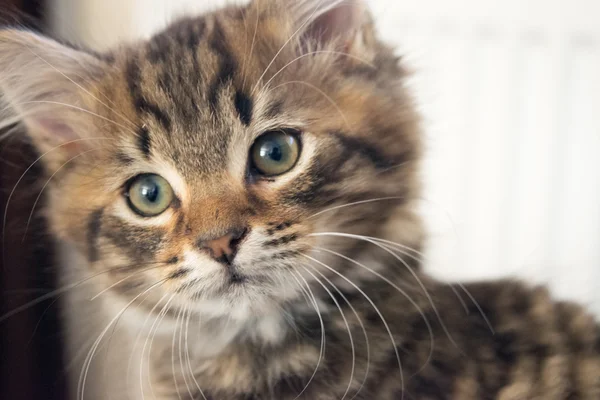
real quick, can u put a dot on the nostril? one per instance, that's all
(238, 237)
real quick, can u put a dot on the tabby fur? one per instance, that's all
(333, 303)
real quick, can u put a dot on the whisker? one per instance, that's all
(109, 341)
(323, 337)
(361, 237)
(423, 258)
(402, 292)
(485, 318)
(151, 335)
(249, 55)
(58, 103)
(78, 355)
(117, 283)
(347, 328)
(181, 353)
(71, 364)
(6, 122)
(411, 271)
(383, 171)
(37, 199)
(62, 290)
(173, 338)
(459, 297)
(285, 44)
(187, 351)
(355, 203)
(429, 298)
(305, 293)
(362, 326)
(139, 335)
(39, 322)
(314, 53)
(88, 361)
(82, 88)
(317, 89)
(12, 192)
(385, 324)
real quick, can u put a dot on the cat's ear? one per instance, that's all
(345, 24)
(43, 86)
(348, 23)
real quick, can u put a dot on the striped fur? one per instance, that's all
(312, 307)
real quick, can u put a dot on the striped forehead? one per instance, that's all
(185, 92)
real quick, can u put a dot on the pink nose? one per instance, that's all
(224, 248)
(219, 247)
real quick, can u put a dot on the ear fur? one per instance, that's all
(43, 86)
(345, 24)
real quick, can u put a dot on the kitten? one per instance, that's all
(236, 201)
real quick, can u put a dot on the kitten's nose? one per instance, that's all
(223, 249)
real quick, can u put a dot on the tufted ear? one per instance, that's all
(45, 86)
(347, 23)
(327, 19)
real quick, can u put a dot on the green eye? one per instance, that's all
(275, 153)
(149, 195)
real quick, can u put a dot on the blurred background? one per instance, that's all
(510, 95)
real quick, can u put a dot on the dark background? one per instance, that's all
(31, 364)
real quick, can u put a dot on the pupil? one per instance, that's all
(150, 192)
(275, 153)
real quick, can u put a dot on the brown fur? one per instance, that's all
(188, 104)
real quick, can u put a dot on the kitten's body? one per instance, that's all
(506, 342)
(254, 286)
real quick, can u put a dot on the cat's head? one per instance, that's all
(218, 164)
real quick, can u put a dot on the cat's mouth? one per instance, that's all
(235, 277)
(233, 274)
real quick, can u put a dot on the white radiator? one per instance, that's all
(511, 95)
(510, 92)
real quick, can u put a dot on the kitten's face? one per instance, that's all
(222, 151)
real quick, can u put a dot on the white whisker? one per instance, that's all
(53, 293)
(139, 335)
(187, 354)
(331, 101)
(249, 55)
(88, 361)
(423, 258)
(347, 328)
(285, 44)
(355, 203)
(12, 192)
(385, 324)
(176, 385)
(459, 297)
(57, 103)
(410, 270)
(323, 337)
(362, 326)
(37, 199)
(82, 88)
(485, 318)
(402, 292)
(151, 335)
(181, 355)
(314, 53)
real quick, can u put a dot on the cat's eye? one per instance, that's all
(275, 153)
(149, 195)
